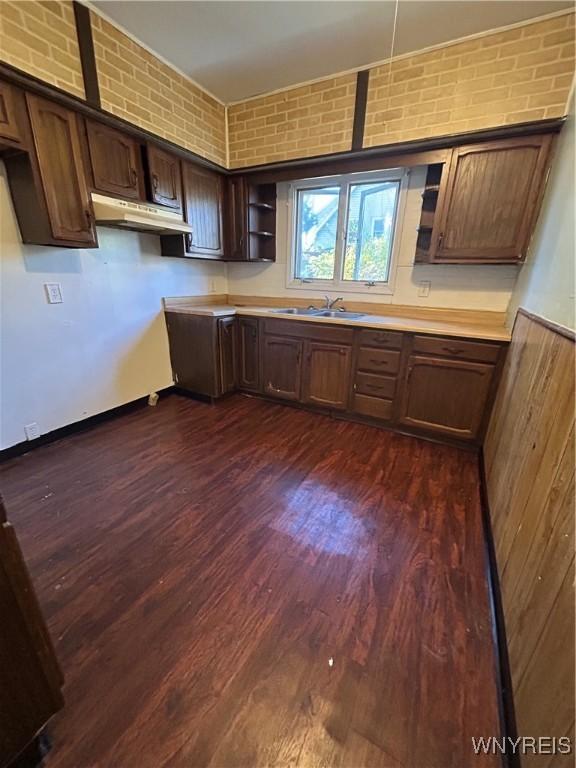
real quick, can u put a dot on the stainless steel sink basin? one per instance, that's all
(338, 313)
(295, 311)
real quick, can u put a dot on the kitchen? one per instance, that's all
(297, 352)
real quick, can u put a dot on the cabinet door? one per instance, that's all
(282, 367)
(248, 353)
(327, 374)
(57, 142)
(8, 124)
(446, 396)
(237, 222)
(165, 178)
(203, 195)
(115, 161)
(491, 200)
(227, 344)
(30, 677)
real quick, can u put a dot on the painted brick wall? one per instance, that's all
(40, 39)
(301, 122)
(140, 88)
(513, 76)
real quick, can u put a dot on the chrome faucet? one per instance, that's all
(330, 303)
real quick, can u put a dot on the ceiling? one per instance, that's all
(240, 49)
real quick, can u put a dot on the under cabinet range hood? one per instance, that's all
(139, 217)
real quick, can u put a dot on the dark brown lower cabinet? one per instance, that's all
(282, 367)
(227, 353)
(445, 396)
(30, 678)
(425, 384)
(327, 374)
(248, 354)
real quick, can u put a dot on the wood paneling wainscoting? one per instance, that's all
(529, 463)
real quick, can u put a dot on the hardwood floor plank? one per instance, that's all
(247, 584)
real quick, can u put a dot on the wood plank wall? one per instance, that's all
(529, 462)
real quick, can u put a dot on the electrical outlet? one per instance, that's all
(53, 293)
(423, 288)
(32, 431)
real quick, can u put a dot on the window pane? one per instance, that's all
(316, 227)
(370, 233)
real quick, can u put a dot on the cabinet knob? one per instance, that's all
(453, 350)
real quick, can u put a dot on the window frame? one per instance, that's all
(344, 181)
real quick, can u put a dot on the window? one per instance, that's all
(344, 230)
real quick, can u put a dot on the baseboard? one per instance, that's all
(504, 677)
(77, 426)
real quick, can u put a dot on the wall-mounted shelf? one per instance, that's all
(429, 203)
(262, 222)
(263, 206)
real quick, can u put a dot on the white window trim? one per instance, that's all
(346, 286)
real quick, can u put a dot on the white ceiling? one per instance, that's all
(239, 49)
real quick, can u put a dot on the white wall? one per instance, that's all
(546, 285)
(105, 345)
(462, 287)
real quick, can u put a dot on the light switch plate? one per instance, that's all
(53, 293)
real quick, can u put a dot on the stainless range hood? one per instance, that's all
(139, 217)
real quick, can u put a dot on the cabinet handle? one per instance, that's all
(88, 216)
(134, 176)
(378, 362)
(440, 239)
(453, 350)
(155, 182)
(188, 240)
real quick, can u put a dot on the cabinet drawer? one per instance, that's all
(373, 406)
(377, 386)
(389, 339)
(457, 348)
(378, 360)
(332, 334)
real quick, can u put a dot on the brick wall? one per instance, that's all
(140, 88)
(514, 76)
(301, 122)
(40, 39)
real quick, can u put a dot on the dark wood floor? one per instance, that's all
(252, 585)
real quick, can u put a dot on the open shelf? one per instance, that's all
(263, 206)
(428, 215)
(262, 222)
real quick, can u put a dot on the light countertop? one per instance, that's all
(468, 329)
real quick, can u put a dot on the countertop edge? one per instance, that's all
(379, 322)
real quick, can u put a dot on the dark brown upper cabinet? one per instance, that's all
(9, 128)
(115, 161)
(204, 211)
(165, 178)
(203, 200)
(237, 219)
(48, 183)
(488, 201)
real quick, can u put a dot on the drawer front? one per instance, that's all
(457, 348)
(333, 334)
(378, 360)
(376, 386)
(388, 339)
(372, 406)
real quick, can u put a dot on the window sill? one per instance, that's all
(380, 289)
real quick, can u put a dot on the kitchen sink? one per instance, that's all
(338, 313)
(295, 311)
